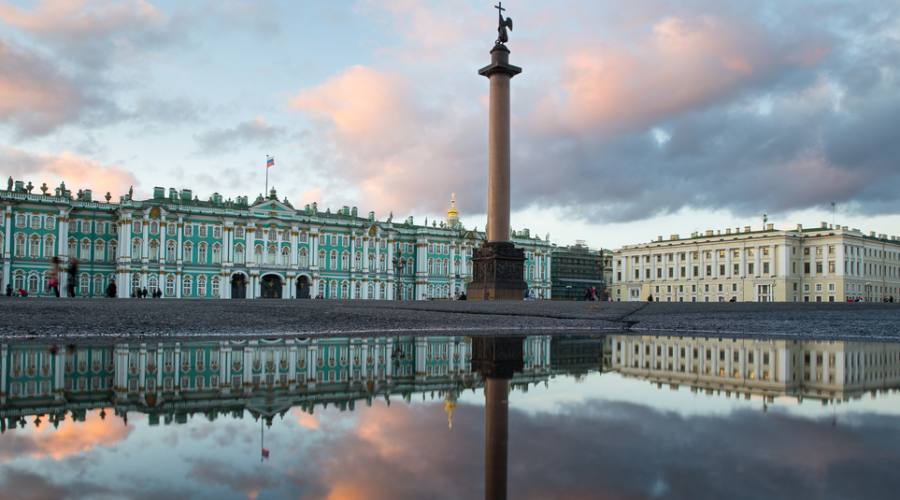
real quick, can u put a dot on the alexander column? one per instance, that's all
(499, 267)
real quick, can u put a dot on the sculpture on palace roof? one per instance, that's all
(503, 25)
(9, 184)
(44, 189)
(29, 187)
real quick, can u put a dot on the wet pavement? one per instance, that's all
(43, 318)
(541, 416)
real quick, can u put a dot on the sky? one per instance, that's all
(630, 120)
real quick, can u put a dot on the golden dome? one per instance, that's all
(452, 213)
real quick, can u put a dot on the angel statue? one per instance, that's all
(503, 25)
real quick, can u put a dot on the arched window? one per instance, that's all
(136, 249)
(20, 246)
(188, 252)
(84, 285)
(170, 251)
(270, 254)
(381, 291)
(258, 251)
(370, 291)
(214, 285)
(170, 285)
(345, 290)
(201, 255)
(356, 290)
(19, 280)
(49, 250)
(154, 227)
(357, 261)
(304, 258)
(154, 250)
(271, 234)
(98, 285)
(430, 266)
(201, 286)
(113, 246)
(333, 290)
(216, 253)
(85, 250)
(382, 263)
(333, 261)
(186, 286)
(322, 289)
(135, 283)
(152, 284)
(285, 256)
(34, 249)
(321, 262)
(99, 250)
(345, 260)
(50, 222)
(73, 247)
(239, 254)
(371, 262)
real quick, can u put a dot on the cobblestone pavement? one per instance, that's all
(43, 318)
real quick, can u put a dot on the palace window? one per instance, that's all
(239, 231)
(152, 284)
(270, 254)
(216, 253)
(186, 286)
(83, 285)
(214, 285)
(345, 290)
(170, 251)
(333, 290)
(345, 260)
(188, 252)
(136, 248)
(201, 253)
(333, 261)
(239, 254)
(33, 283)
(135, 283)
(203, 230)
(34, 248)
(321, 289)
(98, 285)
(35, 221)
(113, 247)
(170, 285)
(50, 222)
(285, 256)
(217, 232)
(154, 227)
(20, 222)
(100, 250)
(19, 280)
(201, 286)
(304, 237)
(304, 258)
(136, 227)
(188, 230)
(49, 249)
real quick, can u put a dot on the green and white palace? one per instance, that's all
(218, 248)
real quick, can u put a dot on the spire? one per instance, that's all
(452, 213)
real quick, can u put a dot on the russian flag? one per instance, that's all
(270, 161)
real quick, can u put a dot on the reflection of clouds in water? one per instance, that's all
(596, 449)
(71, 438)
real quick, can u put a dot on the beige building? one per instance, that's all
(821, 264)
(827, 370)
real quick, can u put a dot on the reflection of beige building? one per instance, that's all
(799, 368)
(822, 264)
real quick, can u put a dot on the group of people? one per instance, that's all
(590, 293)
(143, 294)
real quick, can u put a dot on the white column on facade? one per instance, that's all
(365, 257)
(812, 260)
(784, 258)
(179, 250)
(390, 257)
(62, 249)
(773, 260)
(7, 246)
(145, 236)
(377, 257)
(757, 251)
(163, 227)
(314, 250)
(702, 264)
(295, 241)
(353, 266)
(839, 258)
(715, 265)
(729, 269)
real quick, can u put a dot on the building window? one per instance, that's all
(170, 251)
(214, 285)
(201, 253)
(765, 268)
(216, 253)
(239, 254)
(34, 248)
(201, 286)
(186, 286)
(170, 285)
(188, 252)
(49, 250)
(189, 230)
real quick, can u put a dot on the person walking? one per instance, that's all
(111, 289)
(54, 276)
(72, 272)
(9, 290)
(144, 293)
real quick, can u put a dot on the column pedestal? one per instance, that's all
(498, 272)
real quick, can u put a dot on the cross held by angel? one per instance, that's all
(503, 25)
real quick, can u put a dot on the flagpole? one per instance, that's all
(266, 192)
(262, 443)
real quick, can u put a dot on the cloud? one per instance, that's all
(70, 439)
(35, 97)
(76, 171)
(254, 132)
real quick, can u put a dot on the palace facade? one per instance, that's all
(820, 264)
(798, 369)
(188, 248)
(172, 380)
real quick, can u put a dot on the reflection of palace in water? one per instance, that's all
(826, 370)
(172, 380)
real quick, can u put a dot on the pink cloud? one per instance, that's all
(71, 438)
(681, 64)
(80, 19)
(77, 172)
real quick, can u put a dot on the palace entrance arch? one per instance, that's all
(238, 286)
(270, 286)
(303, 287)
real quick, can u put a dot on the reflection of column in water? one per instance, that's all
(497, 359)
(496, 439)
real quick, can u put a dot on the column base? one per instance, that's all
(498, 272)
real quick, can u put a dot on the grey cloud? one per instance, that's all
(251, 132)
